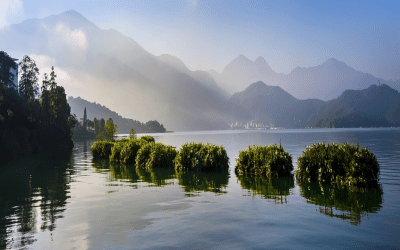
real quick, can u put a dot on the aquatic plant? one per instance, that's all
(342, 165)
(148, 138)
(116, 150)
(130, 149)
(155, 155)
(102, 149)
(269, 161)
(204, 157)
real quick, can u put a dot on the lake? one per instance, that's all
(83, 203)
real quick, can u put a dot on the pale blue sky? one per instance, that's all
(210, 34)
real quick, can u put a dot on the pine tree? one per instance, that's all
(28, 83)
(84, 121)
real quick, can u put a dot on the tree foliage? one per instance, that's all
(110, 130)
(6, 76)
(28, 84)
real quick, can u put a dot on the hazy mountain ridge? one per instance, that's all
(372, 107)
(106, 66)
(326, 81)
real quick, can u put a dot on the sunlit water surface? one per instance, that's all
(85, 204)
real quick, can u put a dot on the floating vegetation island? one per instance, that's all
(340, 165)
(145, 153)
(268, 161)
(202, 157)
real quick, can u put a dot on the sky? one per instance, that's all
(209, 34)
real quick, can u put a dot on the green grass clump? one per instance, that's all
(129, 151)
(148, 138)
(342, 165)
(102, 149)
(269, 161)
(116, 150)
(155, 155)
(201, 157)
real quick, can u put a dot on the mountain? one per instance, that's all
(372, 107)
(239, 73)
(99, 111)
(326, 81)
(108, 67)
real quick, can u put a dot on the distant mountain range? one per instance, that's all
(108, 67)
(114, 70)
(375, 106)
(326, 81)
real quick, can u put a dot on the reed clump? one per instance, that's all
(102, 149)
(130, 149)
(341, 165)
(155, 155)
(148, 138)
(115, 155)
(269, 161)
(201, 157)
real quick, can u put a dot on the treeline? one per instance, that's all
(32, 119)
(100, 129)
(95, 110)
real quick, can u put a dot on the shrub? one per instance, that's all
(148, 138)
(102, 149)
(344, 165)
(205, 157)
(155, 155)
(269, 161)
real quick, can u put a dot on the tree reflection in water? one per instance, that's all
(351, 205)
(276, 189)
(33, 191)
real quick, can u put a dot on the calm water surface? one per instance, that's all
(85, 204)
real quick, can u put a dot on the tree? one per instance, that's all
(101, 127)
(6, 76)
(132, 133)
(96, 126)
(84, 120)
(52, 81)
(28, 83)
(110, 129)
(89, 124)
(45, 100)
(155, 126)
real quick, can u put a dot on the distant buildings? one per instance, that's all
(251, 125)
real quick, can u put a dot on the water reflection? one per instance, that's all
(206, 182)
(33, 196)
(159, 177)
(116, 172)
(348, 205)
(276, 189)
